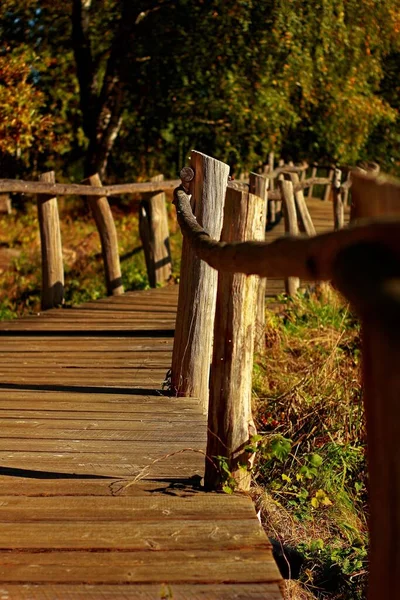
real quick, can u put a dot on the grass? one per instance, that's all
(310, 475)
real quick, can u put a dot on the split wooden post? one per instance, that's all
(230, 422)
(108, 237)
(346, 189)
(329, 185)
(258, 186)
(154, 233)
(313, 176)
(50, 238)
(191, 356)
(305, 217)
(368, 274)
(292, 284)
(338, 205)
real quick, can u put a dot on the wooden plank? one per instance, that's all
(157, 509)
(139, 567)
(134, 535)
(178, 467)
(194, 591)
(91, 486)
(124, 448)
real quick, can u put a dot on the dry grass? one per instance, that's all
(311, 491)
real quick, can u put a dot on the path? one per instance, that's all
(100, 471)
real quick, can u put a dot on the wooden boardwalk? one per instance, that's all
(100, 471)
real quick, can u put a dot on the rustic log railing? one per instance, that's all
(363, 261)
(153, 229)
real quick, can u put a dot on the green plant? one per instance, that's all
(307, 390)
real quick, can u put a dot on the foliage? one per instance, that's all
(307, 392)
(137, 85)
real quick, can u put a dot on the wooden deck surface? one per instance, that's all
(100, 470)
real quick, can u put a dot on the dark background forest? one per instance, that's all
(127, 88)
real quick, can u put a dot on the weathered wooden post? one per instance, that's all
(313, 176)
(292, 284)
(305, 217)
(346, 189)
(198, 284)
(154, 233)
(230, 422)
(338, 206)
(50, 238)
(258, 186)
(369, 275)
(5, 204)
(329, 185)
(108, 237)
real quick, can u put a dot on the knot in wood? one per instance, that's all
(186, 175)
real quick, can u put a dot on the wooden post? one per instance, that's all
(292, 284)
(369, 276)
(153, 229)
(198, 284)
(338, 206)
(305, 217)
(108, 237)
(328, 185)
(50, 238)
(313, 176)
(346, 189)
(259, 187)
(230, 422)
(5, 204)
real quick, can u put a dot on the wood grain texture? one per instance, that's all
(338, 202)
(175, 591)
(51, 248)
(369, 275)
(230, 422)
(301, 206)
(100, 471)
(108, 237)
(198, 284)
(291, 227)
(310, 259)
(154, 233)
(258, 186)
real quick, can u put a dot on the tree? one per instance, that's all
(134, 85)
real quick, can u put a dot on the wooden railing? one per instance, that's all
(153, 228)
(363, 261)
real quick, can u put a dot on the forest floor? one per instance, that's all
(310, 468)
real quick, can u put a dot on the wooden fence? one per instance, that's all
(153, 222)
(153, 227)
(362, 260)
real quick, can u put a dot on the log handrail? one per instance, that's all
(309, 258)
(75, 189)
(363, 261)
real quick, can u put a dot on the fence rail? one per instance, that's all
(363, 261)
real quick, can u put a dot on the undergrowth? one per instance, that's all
(310, 473)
